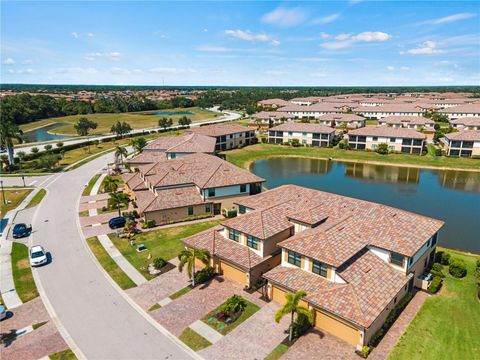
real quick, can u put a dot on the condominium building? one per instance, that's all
(342, 121)
(403, 140)
(228, 136)
(466, 123)
(410, 122)
(305, 133)
(463, 143)
(465, 110)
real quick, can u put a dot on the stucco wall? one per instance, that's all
(176, 214)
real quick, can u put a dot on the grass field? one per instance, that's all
(193, 340)
(63, 355)
(137, 120)
(37, 198)
(164, 243)
(277, 352)
(447, 325)
(13, 199)
(109, 264)
(243, 157)
(22, 274)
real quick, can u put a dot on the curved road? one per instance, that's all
(102, 322)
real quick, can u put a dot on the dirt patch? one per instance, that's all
(23, 264)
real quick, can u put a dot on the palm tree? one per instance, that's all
(187, 258)
(120, 152)
(292, 307)
(9, 132)
(116, 200)
(110, 184)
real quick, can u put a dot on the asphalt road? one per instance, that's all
(228, 116)
(98, 318)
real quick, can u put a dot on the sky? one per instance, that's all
(328, 43)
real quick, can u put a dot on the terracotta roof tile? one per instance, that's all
(303, 127)
(219, 130)
(388, 132)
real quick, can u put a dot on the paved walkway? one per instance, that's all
(7, 286)
(206, 331)
(123, 263)
(90, 231)
(160, 287)
(316, 344)
(254, 339)
(92, 205)
(98, 197)
(399, 327)
(97, 219)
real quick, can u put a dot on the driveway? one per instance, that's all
(254, 339)
(100, 319)
(192, 306)
(319, 345)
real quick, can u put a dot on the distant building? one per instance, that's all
(403, 140)
(228, 136)
(463, 143)
(305, 133)
(379, 112)
(466, 110)
(349, 121)
(466, 123)
(410, 122)
(266, 119)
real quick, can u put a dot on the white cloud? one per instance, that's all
(77, 70)
(285, 17)
(8, 61)
(210, 48)
(171, 70)
(25, 72)
(205, 30)
(324, 35)
(89, 34)
(345, 40)
(249, 36)
(27, 62)
(426, 48)
(390, 68)
(405, 68)
(326, 19)
(119, 71)
(75, 34)
(276, 72)
(451, 18)
(112, 55)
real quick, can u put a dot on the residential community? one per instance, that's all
(239, 181)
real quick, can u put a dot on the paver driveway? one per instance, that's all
(94, 205)
(319, 345)
(97, 219)
(255, 338)
(98, 197)
(192, 306)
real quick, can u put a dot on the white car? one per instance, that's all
(38, 256)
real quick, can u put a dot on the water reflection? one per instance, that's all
(460, 180)
(381, 173)
(43, 134)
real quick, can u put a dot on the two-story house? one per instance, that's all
(306, 134)
(228, 136)
(463, 143)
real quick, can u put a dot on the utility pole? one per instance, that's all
(3, 193)
(23, 178)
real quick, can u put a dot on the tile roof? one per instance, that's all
(227, 249)
(349, 224)
(303, 127)
(468, 135)
(459, 109)
(341, 117)
(203, 170)
(148, 157)
(219, 130)
(173, 198)
(419, 120)
(188, 143)
(134, 181)
(269, 114)
(467, 121)
(317, 107)
(394, 107)
(388, 132)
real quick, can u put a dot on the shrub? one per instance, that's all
(159, 263)
(229, 213)
(295, 143)
(234, 304)
(364, 352)
(382, 149)
(438, 152)
(457, 268)
(204, 275)
(301, 325)
(442, 257)
(435, 285)
(437, 267)
(48, 147)
(35, 150)
(148, 224)
(59, 144)
(264, 140)
(343, 145)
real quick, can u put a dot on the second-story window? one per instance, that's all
(319, 268)
(243, 188)
(252, 242)
(241, 209)
(396, 259)
(434, 239)
(233, 234)
(294, 258)
(211, 192)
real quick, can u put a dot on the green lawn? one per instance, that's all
(154, 307)
(13, 199)
(165, 243)
(63, 355)
(90, 185)
(224, 328)
(193, 340)
(243, 157)
(137, 120)
(117, 177)
(22, 273)
(372, 122)
(110, 266)
(37, 198)
(180, 292)
(447, 325)
(277, 352)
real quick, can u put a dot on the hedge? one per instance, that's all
(457, 268)
(435, 285)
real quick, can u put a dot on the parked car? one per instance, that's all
(3, 312)
(37, 255)
(117, 222)
(21, 230)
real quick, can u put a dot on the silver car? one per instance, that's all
(37, 256)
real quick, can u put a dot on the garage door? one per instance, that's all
(337, 328)
(278, 295)
(233, 273)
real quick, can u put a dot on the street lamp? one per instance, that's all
(3, 193)
(23, 178)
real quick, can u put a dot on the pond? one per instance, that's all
(169, 113)
(42, 134)
(452, 196)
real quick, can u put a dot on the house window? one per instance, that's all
(304, 141)
(252, 242)
(375, 138)
(294, 258)
(396, 259)
(319, 268)
(233, 235)
(211, 192)
(173, 156)
(190, 211)
(434, 240)
(243, 188)
(393, 139)
(242, 209)
(290, 133)
(395, 300)
(208, 208)
(304, 134)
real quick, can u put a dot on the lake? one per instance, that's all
(452, 196)
(41, 134)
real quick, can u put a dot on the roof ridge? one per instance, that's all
(213, 173)
(187, 137)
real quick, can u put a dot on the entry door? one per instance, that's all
(410, 284)
(217, 209)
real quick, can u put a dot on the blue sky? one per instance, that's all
(241, 43)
